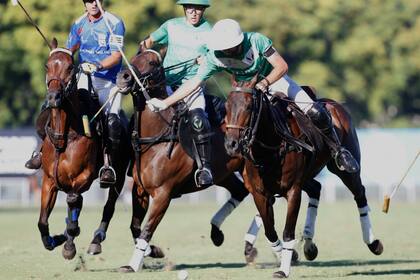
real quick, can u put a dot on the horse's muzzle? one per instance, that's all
(125, 81)
(54, 99)
(232, 146)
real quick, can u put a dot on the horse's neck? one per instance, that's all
(69, 117)
(149, 123)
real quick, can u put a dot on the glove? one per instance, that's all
(262, 85)
(90, 68)
(156, 105)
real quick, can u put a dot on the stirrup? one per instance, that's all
(113, 173)
(197, 174)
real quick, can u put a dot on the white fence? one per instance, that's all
(386, 155)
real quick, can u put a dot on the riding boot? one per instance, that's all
(322, 119)
(36, 159)
(107, 172)
(202, 135)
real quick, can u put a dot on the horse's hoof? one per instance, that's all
(156, 252)
(279, 274)
(250, 253)
(310, 251)
(295, 257)
(216, 236)
(69, 251)
(126, 269)
(94, 249)
(376, 247)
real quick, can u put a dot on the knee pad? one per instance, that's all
(199, 121)
(114, 128)
(319, 115)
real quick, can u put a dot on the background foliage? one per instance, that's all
(365, 53)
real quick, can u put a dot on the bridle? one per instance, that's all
(157, 75)
(67, 87)
(248, 133)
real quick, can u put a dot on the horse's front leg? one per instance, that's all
(74, 203)
(48, 198)
(142, 249)
(264, 204)
(99, 235)
(140, 202)
(289, 240)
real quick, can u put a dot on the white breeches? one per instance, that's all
(102, 88)
(289, 87)
(195, 100)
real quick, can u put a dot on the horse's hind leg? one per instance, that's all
(354, 184)
(234, 184)
(74, 203)
(99, 235)
(238, 192)
(48, 198)
(313, 189)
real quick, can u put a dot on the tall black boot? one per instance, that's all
(322, 119)
(36, 159)
(202, 134)
(107, 172)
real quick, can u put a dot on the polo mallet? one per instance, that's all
(146, 95)
(17, 3)
(387, 198)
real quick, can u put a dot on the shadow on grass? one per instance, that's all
(210, 265)
(355, 263)
(388, 272)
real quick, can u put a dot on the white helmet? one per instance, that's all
(225, 34)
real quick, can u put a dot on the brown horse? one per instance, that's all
(71, 160)
(162, 168)
(280, 161)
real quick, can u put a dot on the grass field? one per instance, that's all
(184, 236)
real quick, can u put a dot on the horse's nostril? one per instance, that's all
(234, 144)
(126, 76)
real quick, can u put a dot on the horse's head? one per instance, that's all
(60, 74)
(148, 67)
(240, 107)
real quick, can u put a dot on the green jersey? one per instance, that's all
(250, 62)
(184, 42)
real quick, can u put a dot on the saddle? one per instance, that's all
(283, 108)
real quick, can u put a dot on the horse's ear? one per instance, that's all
(54, 43)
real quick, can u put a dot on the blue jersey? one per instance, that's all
(96, 43)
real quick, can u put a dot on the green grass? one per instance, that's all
(184, 236)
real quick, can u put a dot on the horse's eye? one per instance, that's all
(46, 66)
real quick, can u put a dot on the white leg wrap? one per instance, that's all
(311, 213)
(367, 232)
(139, 253)
(225, 211)
(255, 226)
(286, 256)
(277, 249)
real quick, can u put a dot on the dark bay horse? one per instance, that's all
(71, 160)
(162, 169)
(279, 164)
